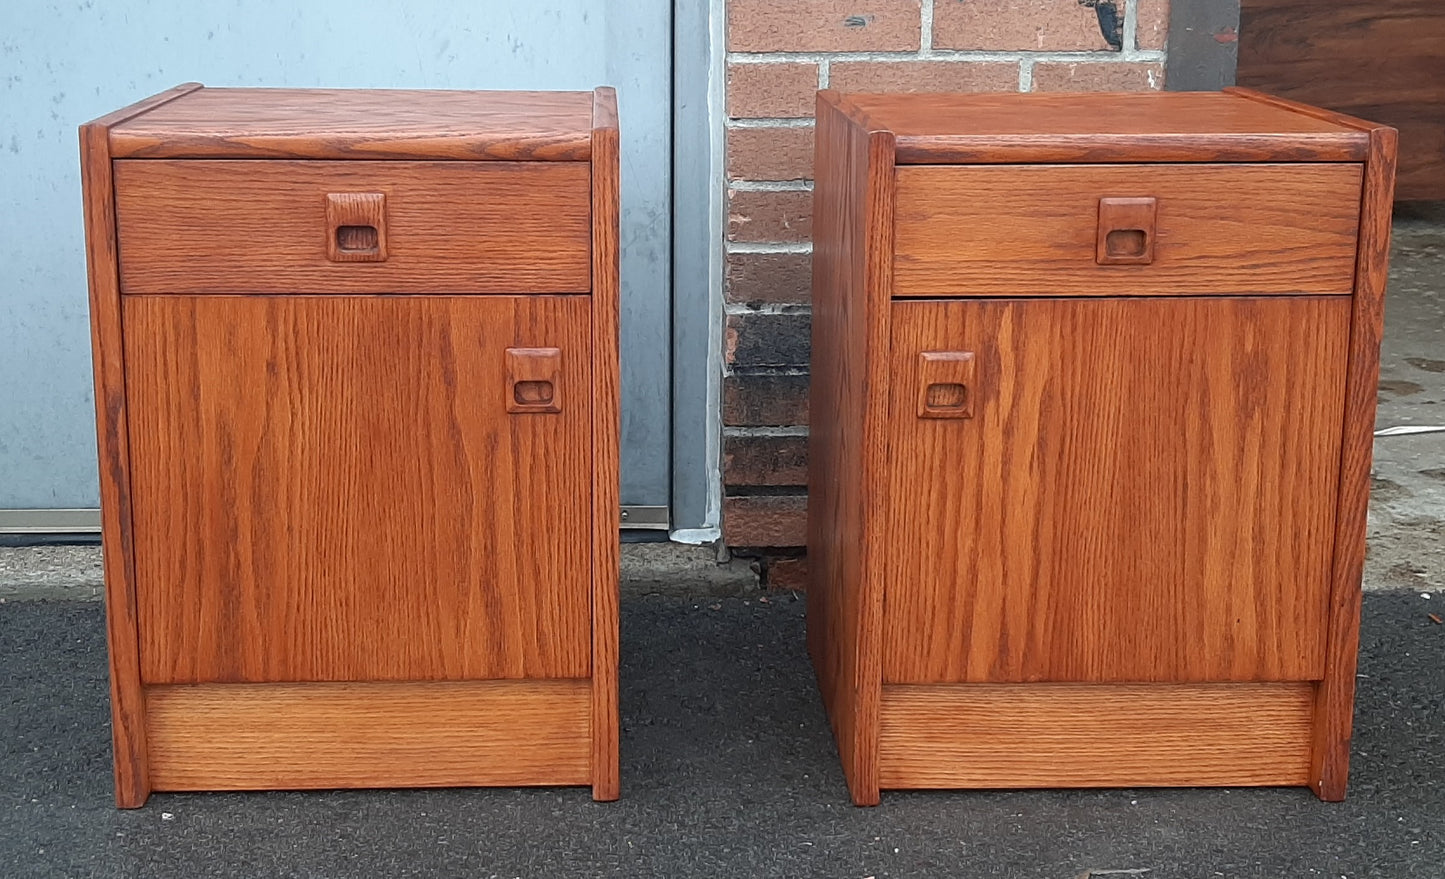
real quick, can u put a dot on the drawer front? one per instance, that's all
(1112, 489)
(277, 227)
(360, 488)
(1045, 230)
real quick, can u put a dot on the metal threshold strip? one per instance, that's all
(636, 517)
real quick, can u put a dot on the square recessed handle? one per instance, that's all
(945, 384)
(1126, 231)
(356, 226)
(532, 380)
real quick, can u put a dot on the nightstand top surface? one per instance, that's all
(1236, 125)
(359, 124)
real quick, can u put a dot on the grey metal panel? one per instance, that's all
(50, 521)
(697, 310)
(64, 63)
(1203, 45)
(638, 51)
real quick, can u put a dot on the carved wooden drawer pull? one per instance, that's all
(1126, 231)
(356, 226)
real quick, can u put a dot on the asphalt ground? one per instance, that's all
(728, 770)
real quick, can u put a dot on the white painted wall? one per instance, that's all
(64, 63)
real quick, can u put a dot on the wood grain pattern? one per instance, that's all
(356, 226)
(606, 430)
(362, 124)
(322, 525)
(1332, 116)
(1016, 230)
(534, 376)
(261, 227)
(1142, 127)
(1126, 231)
(1146, 491)
(1379, 60)
(1334, 706)
(945, 380)
(853, 207)
(1095, 735)
(1150, 532)
(127, 700)
(330, 488)
(296, 736)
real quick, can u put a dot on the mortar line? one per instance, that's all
(925, 29)
(769, 122)
(769, 247)
(771, 185)
(1081, 57)
(1130, 35)
(765, 430)
(769, 308)
(796, 184)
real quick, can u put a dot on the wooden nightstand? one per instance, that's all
(357, 384)
(1093, 392)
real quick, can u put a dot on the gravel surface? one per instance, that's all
(728, 771)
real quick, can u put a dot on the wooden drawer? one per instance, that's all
(268, 227)
(1040, 230)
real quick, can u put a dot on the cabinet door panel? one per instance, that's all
(1144, 489)
(331, 488)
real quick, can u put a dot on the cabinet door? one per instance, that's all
(330, 488)
(1112, 490)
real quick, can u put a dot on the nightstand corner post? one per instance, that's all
(605, 443)
(1334, 695)
(852, 272)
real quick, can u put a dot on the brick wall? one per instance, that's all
(779, 53)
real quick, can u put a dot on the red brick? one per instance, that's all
(770, 153)
(786, 573)
(771, 278)
(765, 460)
(766, 520)
(924, 76)
(823, 25)
(772, 341)
(1153, 25)
(1018, 25)
(787, 90)
(765, 217)
(1111, 76)
(767, 400)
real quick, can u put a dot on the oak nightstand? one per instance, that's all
(1093, 387)
(357, 382)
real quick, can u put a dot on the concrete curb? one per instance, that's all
(73, 573)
